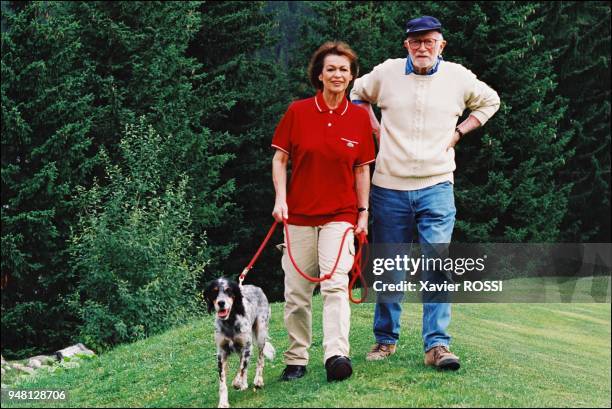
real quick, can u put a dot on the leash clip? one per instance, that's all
(242, 276)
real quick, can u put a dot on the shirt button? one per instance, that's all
(329, 124)
(330, 112)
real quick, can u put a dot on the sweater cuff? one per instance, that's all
(481, 116)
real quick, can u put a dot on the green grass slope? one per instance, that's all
(533, 355)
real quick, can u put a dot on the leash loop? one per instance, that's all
(355, 271)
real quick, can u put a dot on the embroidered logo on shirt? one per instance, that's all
(349, 143)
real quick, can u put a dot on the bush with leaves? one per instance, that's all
(132, 253)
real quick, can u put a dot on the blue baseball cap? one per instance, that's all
(423, 23)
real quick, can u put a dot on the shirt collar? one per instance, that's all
(322, 106)
(433, 70)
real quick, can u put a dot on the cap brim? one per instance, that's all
(439, 29)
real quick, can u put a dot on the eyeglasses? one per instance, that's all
(416, 44)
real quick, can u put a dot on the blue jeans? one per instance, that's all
(395, 213)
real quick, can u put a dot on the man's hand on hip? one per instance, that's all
(454, 141)
(463, 128)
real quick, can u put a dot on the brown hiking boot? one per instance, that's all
(380, 351)
(442, 358)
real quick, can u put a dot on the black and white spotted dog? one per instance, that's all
(242, 318)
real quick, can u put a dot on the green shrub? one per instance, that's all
(132, 253)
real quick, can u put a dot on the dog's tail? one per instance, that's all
(269, 351)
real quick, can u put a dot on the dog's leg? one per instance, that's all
(259, 380)
(261, 335)
(240, 381)
(222, 365)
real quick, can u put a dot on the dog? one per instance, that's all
(242, 316)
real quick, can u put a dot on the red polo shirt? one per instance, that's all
(325, 146)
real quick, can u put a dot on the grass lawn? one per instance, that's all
(512, 355)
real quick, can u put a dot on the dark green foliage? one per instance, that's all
(140, 49)
(74, 73)
(254, 90)
(506, 178)
(288, 15)
(133, 255)
(578, 33)
(47, 117)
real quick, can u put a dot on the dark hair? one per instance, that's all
(315, 68)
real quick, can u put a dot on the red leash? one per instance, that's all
(355, 270)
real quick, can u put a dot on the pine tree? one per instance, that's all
(253, 87)
(47, 150)
(74, 74)
(507, 188)
(287, 14)
(142, 68)
(578, 34)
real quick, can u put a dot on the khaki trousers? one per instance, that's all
(315, 250)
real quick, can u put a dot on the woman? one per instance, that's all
(329, 142)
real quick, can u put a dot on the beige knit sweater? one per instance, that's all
(419, 116)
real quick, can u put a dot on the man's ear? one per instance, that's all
(442, 45)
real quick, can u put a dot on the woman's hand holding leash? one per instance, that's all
(362, 223)
(281, 211)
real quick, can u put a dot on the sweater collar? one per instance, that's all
(433, 70)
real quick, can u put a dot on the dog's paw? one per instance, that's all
(240, 385)
(258, 382)
(223, 404)
(237, 381)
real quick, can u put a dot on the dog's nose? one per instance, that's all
(221, 304)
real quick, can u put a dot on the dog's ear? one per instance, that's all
(209, 295)
(238, 307)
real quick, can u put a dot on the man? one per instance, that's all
(421, 99)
